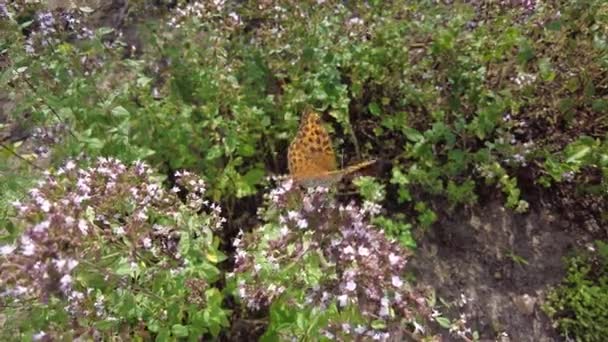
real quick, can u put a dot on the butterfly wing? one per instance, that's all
(311, 152)
(331, 177)
(311, 157)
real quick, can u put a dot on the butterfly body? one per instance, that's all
(311, 157)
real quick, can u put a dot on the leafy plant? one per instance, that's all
(344, 277)
(107, 251)
(578, 305)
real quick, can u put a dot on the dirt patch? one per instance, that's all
(502, 263)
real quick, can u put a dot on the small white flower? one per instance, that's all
(234, 16)
(71, 264)
(20, 290)
(288, 184)
(393, 259)
(39, 336)
(60, 263)
(45, 205)
(329, 335)
(355, 21)
(342, 300)
(360, 329)
(120, 231)
(242, 292)
(83, 226)
(293, 215)
(351, 286)
(463, 299)
(65, 281)
(27, 246)
(383, 311)
(363, 251)
(7, 249)
(302, 224)
(396, 281)
(69, 221)
(142, 216)
(42, 226)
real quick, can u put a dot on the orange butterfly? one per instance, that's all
(311, 157)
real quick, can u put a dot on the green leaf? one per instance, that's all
(153, 325)
(94, 144)
(213, 256)
(143, 81)
(412, 134)
(301, 321)
(378, 324)
(526, 52)
(26, 24)
(120, 111)
(443, 322)
(254, 176)
(123, 267)
(581, 152)
(600, 105)
(374, 108)
(163, 335)
(214, 152)
(179, 330)
(102, 31)
(546, 71)
(105, 325)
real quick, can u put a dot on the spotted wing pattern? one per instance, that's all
(311, 157)
(311, 152)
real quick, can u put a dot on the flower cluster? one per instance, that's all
(344, 261)
(203, 10)
(527, 5)
(50, 27)
(4, 13)
(75, 218)
(521, 153)
(524, 79)
(45, 137)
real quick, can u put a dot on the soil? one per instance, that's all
(501, 263)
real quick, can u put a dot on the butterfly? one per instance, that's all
(311, 158)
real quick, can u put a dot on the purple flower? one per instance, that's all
(362, 266)
(72, 217)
